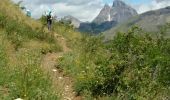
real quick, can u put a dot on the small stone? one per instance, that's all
(67, 86)
(18, 99)
(67, 98)
(54, 70)
(60, 78)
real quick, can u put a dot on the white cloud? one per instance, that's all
(85, 10)
(161, 0)
(155, 4)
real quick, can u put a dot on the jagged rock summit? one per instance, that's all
(119, 12)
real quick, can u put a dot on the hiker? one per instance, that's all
(49, 19)
(28, 13)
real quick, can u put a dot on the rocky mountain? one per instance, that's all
(119, 12)
(74, 21)
(109, 17)
(149, 21)
(104, 15)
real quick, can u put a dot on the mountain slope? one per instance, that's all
(74, 21)
(150, 21)
(23, 44)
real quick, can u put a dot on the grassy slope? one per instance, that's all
(97, 69)
(13, 12)
(22, 45)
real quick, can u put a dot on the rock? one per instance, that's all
(18, 99)
(119, 12)
(67, 98)
(60, 78)
(54, 70)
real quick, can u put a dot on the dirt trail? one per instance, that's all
(62, 83)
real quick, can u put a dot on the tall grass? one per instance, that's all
(20, 69)
(25, 79)
(20, 28)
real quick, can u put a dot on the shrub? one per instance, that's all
(134, 65)
(3, 65)
(2, 21)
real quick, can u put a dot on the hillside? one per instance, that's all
(150, 21)
(24, 44)
(74, 21)
(62, 64)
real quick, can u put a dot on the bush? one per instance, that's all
(134, 65)
(2, 21)
(3, 65)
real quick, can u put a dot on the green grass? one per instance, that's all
(24, 79)
(23, 42)
(19, 32)
(133, 66)
(64, 29)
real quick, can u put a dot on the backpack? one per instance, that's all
(49, 17)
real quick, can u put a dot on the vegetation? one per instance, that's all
(23, 42)
(132, 66)
(63, 28)
(25, 79)
(18, 32)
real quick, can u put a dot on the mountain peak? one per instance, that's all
(106, 6)
(118, 3)
(104, 15)
(119, 12)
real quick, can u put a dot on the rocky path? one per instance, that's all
(63, 84)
